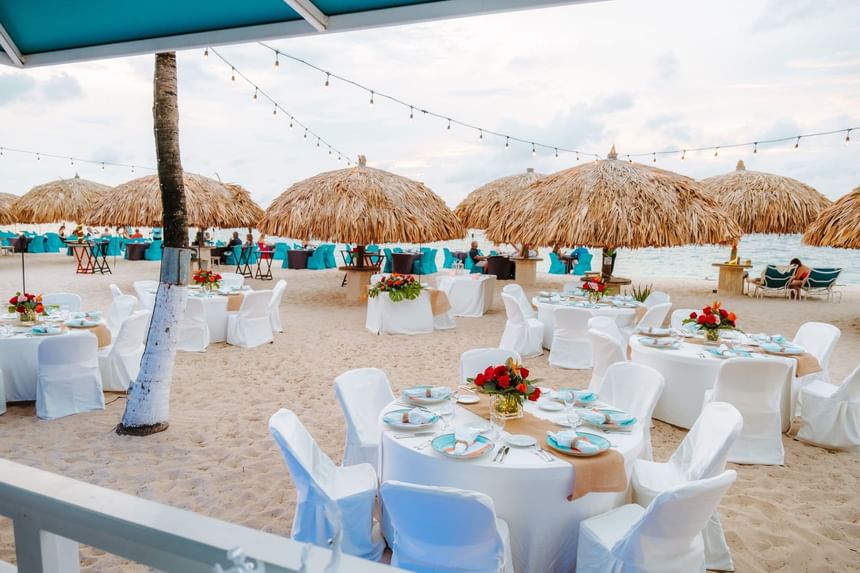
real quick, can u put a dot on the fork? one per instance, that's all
(542, 454)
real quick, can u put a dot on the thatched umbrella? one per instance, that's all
(481, 205)
(61, 200)
(838, 225)
(242, 198)
(361, 205)
(613, 203)
(7, 215)
(137, 203)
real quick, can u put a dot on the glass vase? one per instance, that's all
(712, 336)
(28, 317)
(507, 406)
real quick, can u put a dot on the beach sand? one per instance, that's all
(218, 459)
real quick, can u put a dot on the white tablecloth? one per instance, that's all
(403, 317)
(689, 372)
(215, 311)
(19, 360)
(530, 494)
(546, 310)
(469, 295)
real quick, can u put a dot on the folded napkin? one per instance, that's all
(781, 347)
(82, 322)
(428, 392)
(417, 416)
(570, 439)
(94, 314)
(597, 418)
(40, 329)
(464, 437)
(77, 314)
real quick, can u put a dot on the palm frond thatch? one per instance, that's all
(7, 214)
(61, 200)
(614, 203)
(838, 225)
(361, 205)
(242, 197)
(766, 203)
(137, 203)
(479, 207)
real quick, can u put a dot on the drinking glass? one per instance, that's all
(497, 424)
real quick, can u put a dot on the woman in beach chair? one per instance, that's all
(801, 271)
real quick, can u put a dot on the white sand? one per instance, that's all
(218, 459)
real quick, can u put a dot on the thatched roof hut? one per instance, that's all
(614, 203)
(243, 200)
(361, 205)
(838, 225)
(766, 203)
(62, 200)
(481, 205)
(7, 215)
(209, 203)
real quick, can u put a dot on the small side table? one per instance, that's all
(526, 270)
(731, 280)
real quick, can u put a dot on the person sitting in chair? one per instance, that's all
(478, 260)
(235, 240)
(801, 271)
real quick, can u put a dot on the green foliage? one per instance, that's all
(398, 287)
(640, 292)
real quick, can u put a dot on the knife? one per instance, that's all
(505, 451)
(498, 453)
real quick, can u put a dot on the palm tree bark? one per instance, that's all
(148, 405)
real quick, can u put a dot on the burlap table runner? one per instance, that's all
(601, 473)
(234, 301)
(806, 362)
(100, 330)
(439, 301)
(640, 312)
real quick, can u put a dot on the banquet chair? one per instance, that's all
(583, 264)
(328, 496)
(445, 530)
(119, 363)
(68, 380)
(115, 291)
(556, 265)
(523, 335)
(478, 359)
(831, 414)
(193, 330)
(657, 297)
(605, 351)
(571, 347)
(702, 454)
(362, 394)
(607, 325)
(654, 317)
(232, 280)
(449, 260)
(120, 309)
(754, 386)
(665, 537)
(251, 326)
(275, 306)
(144, 297)
(389, 260)
(634, 388)
(154, 251)
(66, 300)
(517, 292)
(2, 394)
(678, 315)
(316, 262)
(818, 339)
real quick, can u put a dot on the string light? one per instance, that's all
(556, 152)
(481, 135)
(233, 74)
(371, 98)
(275, 110)
(103, 166)
(38, 158)
(132, 168)
(318, 142)
(683, 155)
(449, 125)
(533, 150)
(755, 148)
(277, 61)
(655, 157)
(206, 53)
(507, 142)
(291, 121)
(716, 151)
(255, 95)
(327, 76)
(847, 137)
(628, 159)
(73, 160)
(1, 152)
(306, 133)
(577, 156)
(411, 109)
(797, 143)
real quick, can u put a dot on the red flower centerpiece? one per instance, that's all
(207, 279)
(399, 287)
(595, 287)
(712, 320)
(27, 306)
(508, 385)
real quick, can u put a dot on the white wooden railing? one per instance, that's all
(51, 514)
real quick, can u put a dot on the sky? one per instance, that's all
(644, 76)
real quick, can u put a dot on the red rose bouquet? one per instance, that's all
(509, 378)
(713, 319)
(399, 287)
(207, 279)
(27, 305)
(595, 288)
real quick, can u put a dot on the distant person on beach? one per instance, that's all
(235, 240)
(249, 240)
(478, 260)
(62, 232)
(137, 234)
(801, 271)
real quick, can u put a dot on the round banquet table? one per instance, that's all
(689, 372)
(469, 294)
(215, 312)
(546, 310)
(529, 493)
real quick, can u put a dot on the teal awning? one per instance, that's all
(45, 32)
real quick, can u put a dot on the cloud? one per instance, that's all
(13, 86)
(781, 13)
(60, 87)
(667, 66)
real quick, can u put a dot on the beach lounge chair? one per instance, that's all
(774, 281)
(820, 282)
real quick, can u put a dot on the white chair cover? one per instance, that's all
(194, 330)
(115, 291)
(275, 305)
(444, 530)
(67, 300)
(119, 363)
(68, 380)
(754, 386)
(664, 538)
(653, 318)
(571, 347)
(606, 350)
(403, 317)
(634, 388)
(319, 483)
(517, 292)
(702, 454)
(120, 309)
(819, 339)
(146, 298)
(232, 280)
(522, 335)
(362, 394)
(477, 360)
(607, 325)
(657, 297)
(2, 394)
(678, 316)
(251, 326)
(831, 414)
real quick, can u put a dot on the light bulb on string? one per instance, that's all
(716, 151)
(275, 110)
(232, 73)
(411, 110)
(291, 121)
(1, 152)
(318, 142)
(206, 53)
(71, 160)
(507, 142)
(533, 149)
(556, 152)
(254, 98)
(327, 76)
(655, 157)
(329, 150)
(797, 143)
(755, 148)
(371, 97)
(132, 168)
(306, 133)
(38, 158)
(103, 165)
(683, 154)
(847, 137)
(481, 134)
(628, 159)
(277, 61)
(449, 124)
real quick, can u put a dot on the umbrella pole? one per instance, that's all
(23, 276)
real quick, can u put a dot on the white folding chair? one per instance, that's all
(702, 454)
(831, 414)
(145, 291)
(517, 292)
(251, 326)
(819, 339)
(68, 380)
(476, 360)
(653, 318)
(754, 386)
(120, 309)
(522, 335)
(665, 537)
(607, 325)
(605, 351)
(657, 297)
(66, 300)
(678, 316)
(634, 388)
(119, 363)
(571, 347)
(275, 305)
(445, 530)
(362, 394)
(349, 493)
(115, 291)
(232, 280)
(193, 330)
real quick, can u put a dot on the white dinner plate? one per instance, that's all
(520, 441)
(468, 399)
(549, 405)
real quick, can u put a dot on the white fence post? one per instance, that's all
(40, 551)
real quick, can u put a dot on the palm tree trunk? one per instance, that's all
(148, 405)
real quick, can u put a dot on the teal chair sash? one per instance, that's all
(583, 264)
(556, 265)
(280, 253)
(36, 244)
(328, 256)
(448, 262)
(389, 260)
(153, 252)
(316, 262)
(428, 261)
